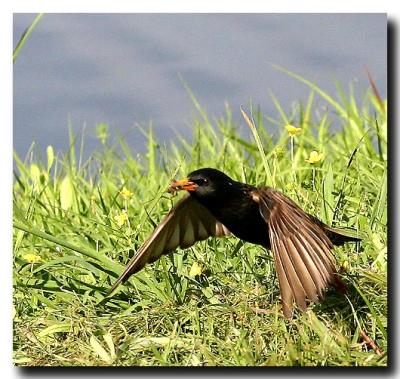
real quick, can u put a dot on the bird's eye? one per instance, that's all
(200, 181)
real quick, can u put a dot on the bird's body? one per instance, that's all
(236, 209)
(219, 206)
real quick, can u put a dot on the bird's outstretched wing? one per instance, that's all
(301, 249)
(186, 223)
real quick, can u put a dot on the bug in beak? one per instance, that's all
(184, 184)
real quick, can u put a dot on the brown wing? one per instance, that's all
(301, 249)
(186, 223)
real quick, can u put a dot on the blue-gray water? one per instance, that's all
(124, 69)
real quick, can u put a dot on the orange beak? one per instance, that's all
(184, 184)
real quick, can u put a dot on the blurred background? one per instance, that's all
(127, 70)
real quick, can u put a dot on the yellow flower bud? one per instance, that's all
(279, 151)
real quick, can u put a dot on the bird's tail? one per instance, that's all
(339, 236)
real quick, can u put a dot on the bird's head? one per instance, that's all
(205, 184)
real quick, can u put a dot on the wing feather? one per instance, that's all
(301, 249)
(187, 232)
(286, 292)
(186, 223)
(293, 278)
(173, 240)
(201, 231)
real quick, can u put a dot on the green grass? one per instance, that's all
(64, 217)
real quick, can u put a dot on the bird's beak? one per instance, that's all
(184, 184)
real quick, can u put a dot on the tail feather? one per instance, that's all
(339, 236)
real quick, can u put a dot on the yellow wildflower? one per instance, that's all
(121, 218)
(315, 157)
(195, 270)
(31, 258)
(126, 193)
(292, 130)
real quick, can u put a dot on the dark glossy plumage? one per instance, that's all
(218, 206)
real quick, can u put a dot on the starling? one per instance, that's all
(220, 206)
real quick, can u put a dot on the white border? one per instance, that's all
(7, 8)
